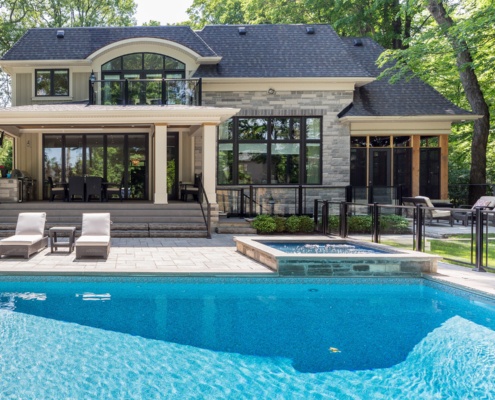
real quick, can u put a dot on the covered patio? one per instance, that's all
(158, 147)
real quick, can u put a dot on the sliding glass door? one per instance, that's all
(116, 158)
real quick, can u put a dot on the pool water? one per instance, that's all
(243, 338)
(322, 248)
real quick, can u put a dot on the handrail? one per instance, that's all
(207, 217)
(190, 92)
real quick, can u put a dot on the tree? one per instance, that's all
(474, 95)
(387, 21)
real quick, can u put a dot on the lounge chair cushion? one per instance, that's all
(20, 240)
(31, 224)
(427, 201)
(97, 224)
(485, 201)
(93, 240)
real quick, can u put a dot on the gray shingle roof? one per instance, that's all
(404, 98)
(79, 43)
(277, 51)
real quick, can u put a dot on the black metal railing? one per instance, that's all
(336, 218)
(146, 92)
(203, 198)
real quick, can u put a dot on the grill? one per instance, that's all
(27, 185)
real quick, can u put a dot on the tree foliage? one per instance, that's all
(17, 16)
(417, 44)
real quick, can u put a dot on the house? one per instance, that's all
(243, 105)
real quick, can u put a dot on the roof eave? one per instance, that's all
(446, 117)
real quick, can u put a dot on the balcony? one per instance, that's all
(145, 92)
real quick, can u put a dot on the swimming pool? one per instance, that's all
(243, 338)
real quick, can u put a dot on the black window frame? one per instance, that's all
(52, 88)
(270, 141)
(142, 72)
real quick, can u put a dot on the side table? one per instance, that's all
(65, 231)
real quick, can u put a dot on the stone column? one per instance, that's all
(209, 163)
(160, 172)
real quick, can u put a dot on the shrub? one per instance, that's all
(292, 224)
(359, 224)
(393, 224)
(306, 224)
(363, 224)
(264, 224)
(279, 223)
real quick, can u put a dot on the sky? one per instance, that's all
(164, 11)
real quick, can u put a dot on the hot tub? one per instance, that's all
(365, 259)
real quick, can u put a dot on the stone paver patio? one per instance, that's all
(180, 256)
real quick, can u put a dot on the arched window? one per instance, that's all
(143, 66)
(138, 78)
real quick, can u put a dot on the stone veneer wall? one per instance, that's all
(336, 143)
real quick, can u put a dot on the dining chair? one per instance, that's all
(76, 188)
(94, 188)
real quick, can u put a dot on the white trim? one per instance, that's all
(110, 115)
(398, 118)
(163, 42)
(281, 84)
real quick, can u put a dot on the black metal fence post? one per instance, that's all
(479, 240)
(300, 200)
(315, 213)
(343, 219)
(241, 203)
(251, 211)
(419, 228)
(324, 217)
(376, 223)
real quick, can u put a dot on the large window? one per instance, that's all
(269, 151)
(52, 82)
(381, 161)
(112, 157)
(144, 72)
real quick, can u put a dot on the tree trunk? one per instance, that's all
(475, 98)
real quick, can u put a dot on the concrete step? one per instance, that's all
(131, 219)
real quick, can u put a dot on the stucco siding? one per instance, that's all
(80, 86)
(336, 144)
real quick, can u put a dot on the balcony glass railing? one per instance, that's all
(146, 92)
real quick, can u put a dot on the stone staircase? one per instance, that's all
(129, 219)
(234, 225)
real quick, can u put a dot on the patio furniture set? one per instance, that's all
(464, 214)
(85, 188)
(29, 237)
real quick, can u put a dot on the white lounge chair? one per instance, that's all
(29, 236)
(95, 236)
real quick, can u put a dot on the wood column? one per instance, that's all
(444, 166)
(416, 148)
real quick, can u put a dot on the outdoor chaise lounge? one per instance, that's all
(29, 236)
(95, 236)
(431, 213)
(486, 202)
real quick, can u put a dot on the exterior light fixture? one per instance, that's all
(92, 77)
(271, 91)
